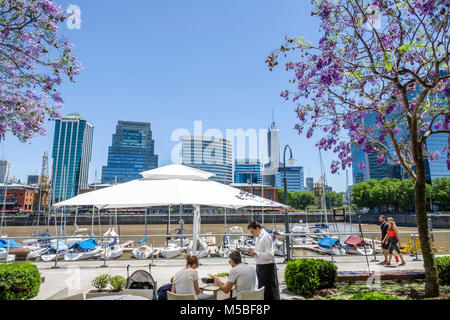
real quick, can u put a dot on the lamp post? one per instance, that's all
(286, 218)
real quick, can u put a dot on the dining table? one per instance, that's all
(218, 294)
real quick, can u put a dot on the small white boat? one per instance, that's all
(71, 241)
(183, 243)
(172, 250)
(35, 252)
(355, 245)
(202, 248)
(10, 258)
(236, 235)
(112, 252)
(300, 237)
(278, 247)
(50, 254)
(210, 240)
(83, 250)
(331, 246)
(142, 252)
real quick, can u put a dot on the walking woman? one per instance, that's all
(393, 237)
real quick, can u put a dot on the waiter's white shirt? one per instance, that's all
(264, 248)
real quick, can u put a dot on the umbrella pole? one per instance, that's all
(225, 220)
(92, 222)
(195, 227)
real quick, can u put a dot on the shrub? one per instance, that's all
(301, 276)
(19, 281)
(443, 265)
(117, 282)
(373, 296)
(101, 282)
(305, 276)
(327, 273)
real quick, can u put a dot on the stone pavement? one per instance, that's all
(77, 275)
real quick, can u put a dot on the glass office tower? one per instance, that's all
(72, 149)
(247, 171)
(209, 154)
(132, 151)
(294, 178)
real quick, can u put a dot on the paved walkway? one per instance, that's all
(77, 275)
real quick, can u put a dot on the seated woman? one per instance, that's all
(185, 281)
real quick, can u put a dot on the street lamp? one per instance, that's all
(286, 218)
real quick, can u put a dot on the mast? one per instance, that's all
(5, 193)
(324, 202)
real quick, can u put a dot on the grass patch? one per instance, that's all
(402, 289)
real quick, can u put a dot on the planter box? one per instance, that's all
(147, 293)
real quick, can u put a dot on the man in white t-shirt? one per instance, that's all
(242, 276)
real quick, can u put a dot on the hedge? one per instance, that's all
(305, 276)
(443, 265)
(19, 281)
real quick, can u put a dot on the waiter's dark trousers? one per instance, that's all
(268, 278)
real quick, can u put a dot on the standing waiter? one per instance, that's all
(266, 271)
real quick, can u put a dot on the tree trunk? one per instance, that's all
(431, 273)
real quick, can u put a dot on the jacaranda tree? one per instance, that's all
(385, 59)
(33, 60)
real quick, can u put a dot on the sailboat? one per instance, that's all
(170, 251)
(300, 231)
(355, 245)
(55, 251)
(331, 246)
(202, 248)
(113, 248)
(83, 250)
(142, 251)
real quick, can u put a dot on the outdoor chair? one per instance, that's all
(252, 295)
(176, 296)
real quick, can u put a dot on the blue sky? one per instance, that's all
(173, 62)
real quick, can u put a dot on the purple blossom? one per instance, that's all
(362, 166)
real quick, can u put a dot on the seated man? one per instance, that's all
(242, 276)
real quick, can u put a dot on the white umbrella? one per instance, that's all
(168, 186)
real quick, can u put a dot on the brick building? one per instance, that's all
(260, 190)
(20, 198)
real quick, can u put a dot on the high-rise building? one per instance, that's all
(294, 178)
(372, 170)
(5, 170)
(247, 171)
(72, 149)
(132, 151)
(434, 143)
(441, 166)
(33, 180)
(209, 154)
(310, 183)
(271, 168)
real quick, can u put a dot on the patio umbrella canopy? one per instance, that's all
(168, 186)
